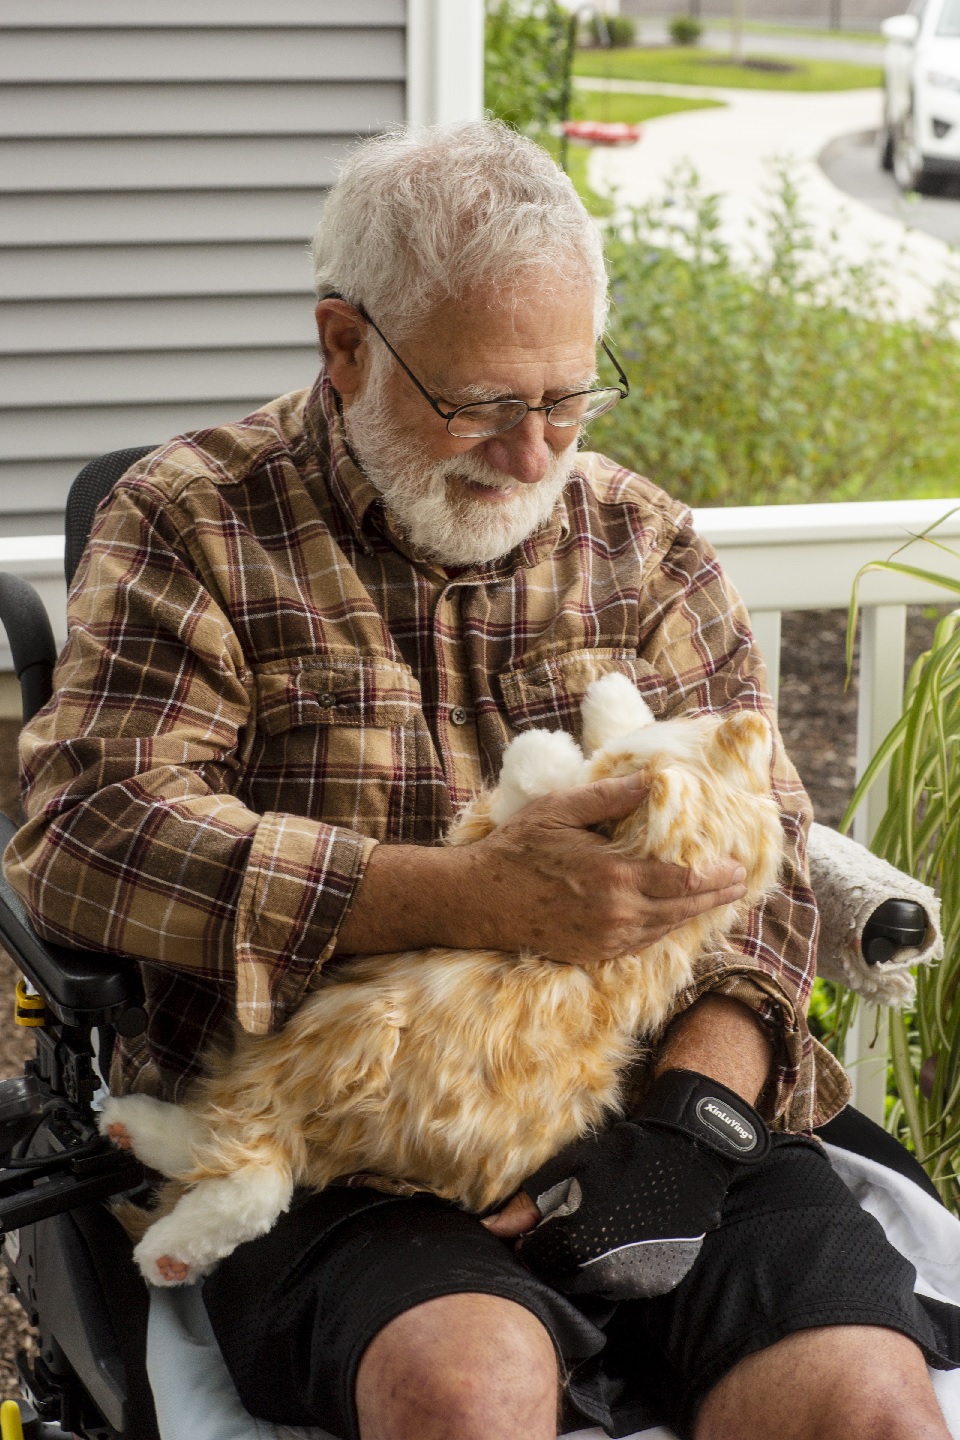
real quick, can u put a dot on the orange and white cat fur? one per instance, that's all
(463, 1070)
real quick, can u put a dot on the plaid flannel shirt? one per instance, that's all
(261, 682)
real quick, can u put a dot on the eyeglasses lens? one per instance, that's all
(492, 417)
(489, 418)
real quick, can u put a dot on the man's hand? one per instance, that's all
(545, 882)
(718, 1038)
(626, 1212)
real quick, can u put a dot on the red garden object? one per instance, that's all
(602, 132)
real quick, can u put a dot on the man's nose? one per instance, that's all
(523, 453)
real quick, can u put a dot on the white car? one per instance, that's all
(921, 137)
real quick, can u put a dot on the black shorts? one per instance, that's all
(295, 1310)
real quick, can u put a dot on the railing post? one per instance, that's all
(883, 630)
(765, 625)
(882, 653)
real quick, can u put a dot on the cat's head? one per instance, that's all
(708, 794)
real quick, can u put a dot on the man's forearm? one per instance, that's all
(410, 897)
(723, 1039)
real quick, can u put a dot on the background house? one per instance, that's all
(162, 166)
(839, 14)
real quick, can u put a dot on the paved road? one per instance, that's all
(851, 163)
(808, 47)
(733, 149)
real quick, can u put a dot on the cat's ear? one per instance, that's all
(612, 707)
(742, 746)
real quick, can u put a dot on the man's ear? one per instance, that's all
(343, 344)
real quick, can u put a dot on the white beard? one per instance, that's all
(440, 521)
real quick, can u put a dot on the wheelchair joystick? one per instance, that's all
(894, 925)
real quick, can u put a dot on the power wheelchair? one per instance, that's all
(68, 1260)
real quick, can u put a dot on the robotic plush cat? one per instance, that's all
(464, 1071)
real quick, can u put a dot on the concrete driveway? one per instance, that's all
(851, 163)
(733, 149)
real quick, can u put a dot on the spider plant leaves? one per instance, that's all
(920, 832)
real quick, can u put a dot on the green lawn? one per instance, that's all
(577, 157)
(689, 66)
(758, 27)
(620, 105)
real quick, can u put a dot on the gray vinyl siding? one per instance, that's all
(162, 166)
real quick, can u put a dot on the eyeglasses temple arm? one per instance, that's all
(618, 367)
(444, 414)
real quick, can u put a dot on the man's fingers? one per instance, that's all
(516, 1218)
(599, 802)
(662, 881)
(662, 916)
(608, 800)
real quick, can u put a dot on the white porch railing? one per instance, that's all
(783, 557)
(805, 557)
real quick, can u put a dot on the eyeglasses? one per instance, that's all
(493, 417)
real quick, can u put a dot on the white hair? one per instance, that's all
(420, 216)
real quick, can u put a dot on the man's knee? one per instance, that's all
(461, 1365)
(836, 1383)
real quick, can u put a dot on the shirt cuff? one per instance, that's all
(298, 885)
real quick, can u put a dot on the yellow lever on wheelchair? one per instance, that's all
(30, 1011)
(11, 1427)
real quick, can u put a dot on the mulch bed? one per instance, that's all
(818, 721)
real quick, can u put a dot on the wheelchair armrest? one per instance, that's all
(877, 923)
(81, 987)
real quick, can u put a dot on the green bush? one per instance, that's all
(617, 31)
(782, 380)
(684, 30)
(920, 833)
(525, 49)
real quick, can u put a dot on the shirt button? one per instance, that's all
(458, 716)
(327, 699)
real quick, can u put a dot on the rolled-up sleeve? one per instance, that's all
(136, 841)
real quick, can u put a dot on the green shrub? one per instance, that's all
(617, 31)
(525, 48)
(684, 30)
(784, 379)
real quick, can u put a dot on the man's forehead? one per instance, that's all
(480, 349)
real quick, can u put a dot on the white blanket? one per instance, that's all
(196, 1399)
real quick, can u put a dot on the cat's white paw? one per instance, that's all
(164, 1257)
(536, 763)
(210, 1221)
(160, 1135)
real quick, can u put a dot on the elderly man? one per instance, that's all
(297, 644)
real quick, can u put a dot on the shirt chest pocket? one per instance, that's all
(547, 694)
(339, 739)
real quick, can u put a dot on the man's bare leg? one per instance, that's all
(460, 1367)
(843, 1382)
